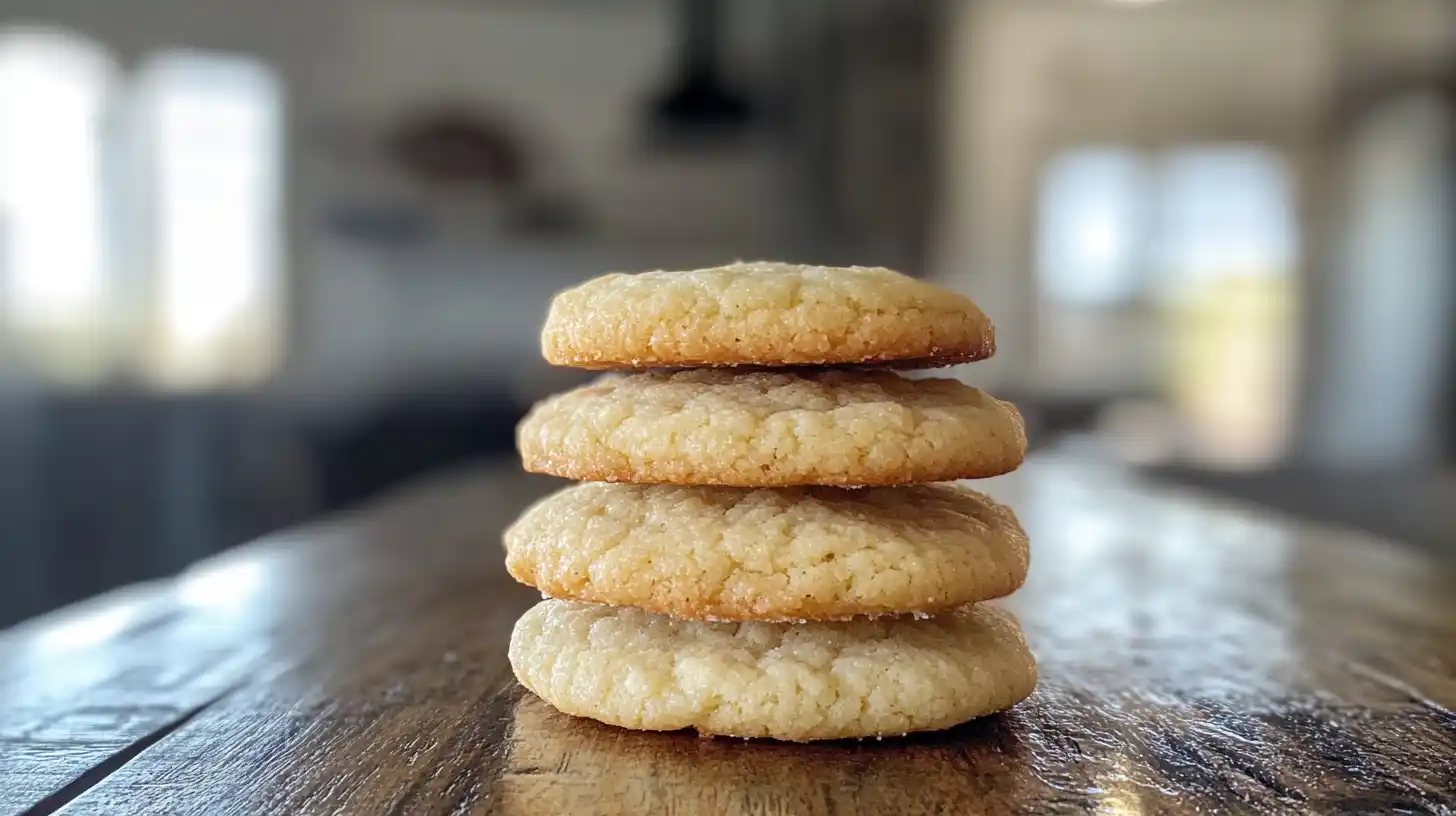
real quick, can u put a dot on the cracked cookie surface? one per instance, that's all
(772, 429)
(788, 554)
(813, 681)
(763, 314)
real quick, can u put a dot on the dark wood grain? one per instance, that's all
(1195, 656)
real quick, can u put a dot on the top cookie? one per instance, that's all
(763, 314)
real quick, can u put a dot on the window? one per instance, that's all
(138, 219)
(1225, 251)
(1172, 273)
(1090, 236)
(54, 92)
(1224, 211)
(213, 123)
(1091, 242)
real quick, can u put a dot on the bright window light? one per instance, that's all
(214, 124)
(1225, 210)
(1091, 222)
(1227, 248)
(53, 93)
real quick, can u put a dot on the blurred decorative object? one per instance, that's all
(698, 107)
(456, 150)
(458, 147)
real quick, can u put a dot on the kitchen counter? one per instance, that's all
(1194, 655)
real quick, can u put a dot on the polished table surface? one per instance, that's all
(1195, 657)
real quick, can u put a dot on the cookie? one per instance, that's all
(806, 553)
(772, 429)
(812, 681)
(763, 314)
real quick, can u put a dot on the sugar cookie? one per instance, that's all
(772, 429)
(763, 314)
(727, 553)
(812, 681)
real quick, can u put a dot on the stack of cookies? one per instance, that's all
(761, 548)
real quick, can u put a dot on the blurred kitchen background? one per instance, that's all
(260, 261)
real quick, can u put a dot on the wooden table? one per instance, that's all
(1194, 656)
